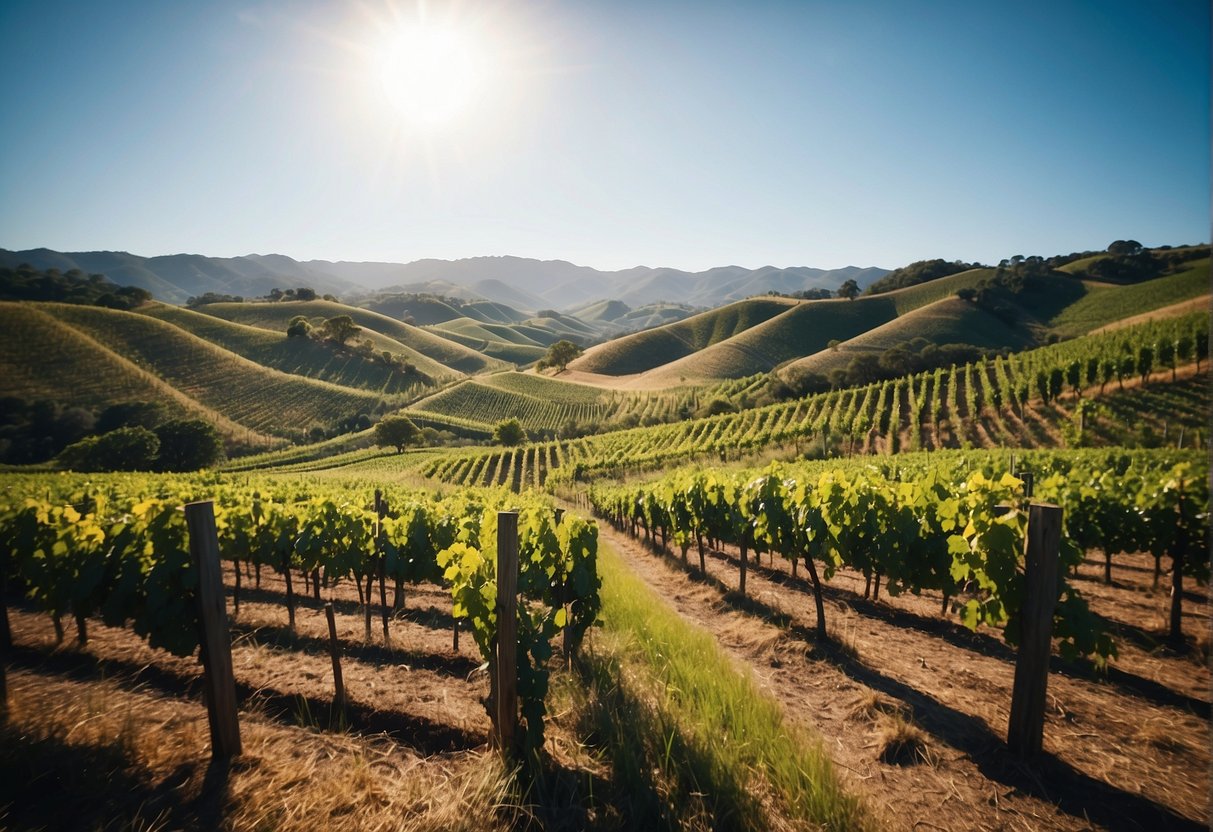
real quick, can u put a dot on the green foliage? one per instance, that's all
(73, 286)
(188, 445)
(561, 353)
(397, 432)
(849, 290)
(124, 449)
(939, 525)
(298, 327)
(100, 546)
(509, 432)
(340, 328)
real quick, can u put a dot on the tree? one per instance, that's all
(130, 414)
(1127, 247)
(299, 327)
(509, 432)
(849, 290)
(304, 293)
(124, 449)
(560, 354)
(340, 329)
(396, 432)
(188, 445)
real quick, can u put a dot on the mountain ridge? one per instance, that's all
(508, 279)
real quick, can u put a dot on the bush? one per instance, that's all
(124, 449)
(509, 432)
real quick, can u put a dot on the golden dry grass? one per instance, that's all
(138, 760)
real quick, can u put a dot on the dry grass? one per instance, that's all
(902, 742)
(136, 760)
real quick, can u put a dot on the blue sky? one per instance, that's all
(610, 134)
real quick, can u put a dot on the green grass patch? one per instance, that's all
(1104, 304)
(688, 734)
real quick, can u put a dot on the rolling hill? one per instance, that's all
(42, 357)
(260, 398)
(297, 356)
(655, 347)
(760, 335)
(438, 357)
(543, 405)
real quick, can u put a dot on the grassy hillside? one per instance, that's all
(297, 356)
(490, 312)
(652, 348)
(737, 340)
(544, 404)
(261, 398)
(475, 336)
(802, 330)
(42, 357)
(424, 310)
(1104, 303)
(601, 310)
(413, 342)
(486, 332)
(948, 321)
(564, 326)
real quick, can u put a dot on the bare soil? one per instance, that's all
(913, 707)
(412, 754)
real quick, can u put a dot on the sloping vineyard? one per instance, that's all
(999, 402)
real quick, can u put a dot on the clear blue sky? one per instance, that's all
(606, 133)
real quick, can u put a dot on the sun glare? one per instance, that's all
(430, 74)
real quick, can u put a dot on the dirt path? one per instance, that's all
(1131, 752)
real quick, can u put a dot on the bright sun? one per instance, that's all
(430, 73)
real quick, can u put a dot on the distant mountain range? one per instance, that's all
(522, 283)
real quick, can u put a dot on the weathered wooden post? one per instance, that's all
(381, 563)
(213, 637)
(567, 634)
(1025, 732)
(507, 631)
(335, 653)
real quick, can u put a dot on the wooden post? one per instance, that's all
(381, 566)
(507, 631)
(335, 653)
(290, 591)
(1025, 732)
(215, 641)
(567, 634)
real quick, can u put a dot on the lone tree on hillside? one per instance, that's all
(509, 432)
(849, 290)
(560, 354)
(340, 329)
(397, 432)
